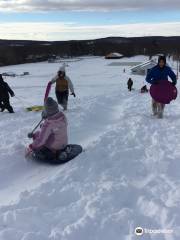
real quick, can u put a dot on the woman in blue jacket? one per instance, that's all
(161, 72)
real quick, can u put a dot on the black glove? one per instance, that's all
(73, 94)
(12, 95)
(30, 135)
(174, 83)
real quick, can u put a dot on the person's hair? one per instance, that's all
(60, 72)
(162, 58)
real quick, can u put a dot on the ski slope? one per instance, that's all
(127, 177)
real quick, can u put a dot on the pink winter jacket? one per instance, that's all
(53, 133)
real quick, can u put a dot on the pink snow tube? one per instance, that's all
(164, 92)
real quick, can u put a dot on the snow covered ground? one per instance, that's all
(128, 176)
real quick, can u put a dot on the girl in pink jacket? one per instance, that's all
(52, 137)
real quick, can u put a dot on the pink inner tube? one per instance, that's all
(164, 92)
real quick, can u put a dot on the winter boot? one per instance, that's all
(10, 109)
(160, 110)
(64, 106)
(154, 108)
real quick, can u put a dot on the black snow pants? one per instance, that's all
(45, 155)
(130, 87)
(5, 104)
(62, 98)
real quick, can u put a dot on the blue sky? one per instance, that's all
(87, 19)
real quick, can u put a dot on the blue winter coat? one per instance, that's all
(157, 74)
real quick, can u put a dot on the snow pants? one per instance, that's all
(130, 87)
(5, 104)
(158, 109)
(45, 155)
(62, 98)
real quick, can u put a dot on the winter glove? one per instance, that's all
(30, 135)
(12, 95)
(174, 83)
(73, 94)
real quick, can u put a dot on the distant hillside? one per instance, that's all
(16, 52)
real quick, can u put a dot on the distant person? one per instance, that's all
(130, 84)
(63, 85)
(144, 89)
(124, 70)
(156, 75)
(5, 91)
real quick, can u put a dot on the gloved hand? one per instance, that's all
(12, 95)
(30, 135)
(73, 94)
(174, 83)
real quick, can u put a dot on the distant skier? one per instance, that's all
(144, 89)
(52, 136)
(130, 84)
(5, 90)
(156, 75)
(63, 85)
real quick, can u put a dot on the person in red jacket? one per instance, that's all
(5, 91)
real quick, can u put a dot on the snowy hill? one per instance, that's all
(127, 177)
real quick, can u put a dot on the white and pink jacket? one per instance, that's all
(53, 133)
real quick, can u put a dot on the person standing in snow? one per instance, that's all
(63, 85)
(130, 84)
(5, 91)
(52, 136)
(161, 72)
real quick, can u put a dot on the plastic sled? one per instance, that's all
(164, 92)
(35, 108)
(64, 156)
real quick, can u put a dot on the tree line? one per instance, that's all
(18, 52)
